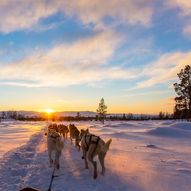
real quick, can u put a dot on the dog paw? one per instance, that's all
(95, 176)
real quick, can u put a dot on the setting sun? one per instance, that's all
(49, 111)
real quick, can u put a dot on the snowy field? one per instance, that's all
(144, 156)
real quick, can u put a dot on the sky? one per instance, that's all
(66, 54)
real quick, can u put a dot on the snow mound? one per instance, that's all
(121, 135)
(177, 130)
(120, 125)
(182, 125)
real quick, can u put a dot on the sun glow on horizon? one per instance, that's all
(49, 111)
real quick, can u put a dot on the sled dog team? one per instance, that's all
(91, 145)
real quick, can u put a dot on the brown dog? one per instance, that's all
(93, 145)
(63, 129)
(74, 134)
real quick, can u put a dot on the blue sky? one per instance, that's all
(67, 55)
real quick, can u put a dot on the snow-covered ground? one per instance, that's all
(14, 134)
(144, 156)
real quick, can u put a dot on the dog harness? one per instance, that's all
(91, 141)
(54, 137)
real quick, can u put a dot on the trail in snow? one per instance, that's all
(16, 133)
(15, 165)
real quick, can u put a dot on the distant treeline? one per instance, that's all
(124, 117)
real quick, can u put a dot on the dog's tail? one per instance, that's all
(105, 147)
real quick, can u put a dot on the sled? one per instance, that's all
(30, 189)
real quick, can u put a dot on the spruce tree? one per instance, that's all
(102, 110)
(183, 90)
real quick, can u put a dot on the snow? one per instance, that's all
(144, 156)
(14, 134)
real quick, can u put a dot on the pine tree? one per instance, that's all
(183, 90)
(161, 115)
(102, 110)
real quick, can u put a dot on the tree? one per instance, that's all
(102, 110)
(124, 117)
(3, 115)
(161, 115)
(78, 115)
(130, 116)
(183, 90)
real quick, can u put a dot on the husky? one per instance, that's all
(74, 134)
(63, 129)
(93, 145)
(53, 126)
(54, 143)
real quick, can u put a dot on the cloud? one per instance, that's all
(164, 69)
(82, 62)
(187, 30)
(22, 14)
(145, 93)
(125, 11)
(184, 8)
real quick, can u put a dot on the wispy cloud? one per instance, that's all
(164, 69)
(148, 93)
(84, 61)
(125, 11)
(184, 6)
(22, 14)
(184, 10)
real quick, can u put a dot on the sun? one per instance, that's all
(49, 111)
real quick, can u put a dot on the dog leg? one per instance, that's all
(77, 144)
(57, 158)
(50, 158)
(85, 158)
(94, 163)
(101, 157)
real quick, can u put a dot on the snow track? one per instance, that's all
(15, 165)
